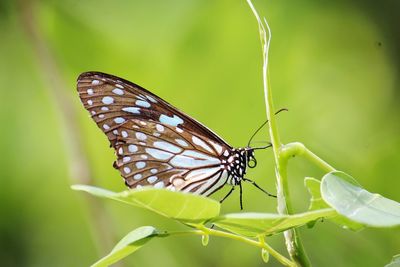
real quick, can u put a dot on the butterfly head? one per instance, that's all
(250, 158)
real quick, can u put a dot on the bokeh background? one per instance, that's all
(334, 65)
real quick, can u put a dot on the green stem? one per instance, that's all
(208, 231)
(298, 149)
(292, 238)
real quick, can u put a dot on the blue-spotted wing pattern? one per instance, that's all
(155, 143)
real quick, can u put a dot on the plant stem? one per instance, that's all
(298, 149)
(292, 238)
(207, 231)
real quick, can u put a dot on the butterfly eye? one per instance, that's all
(252, 162)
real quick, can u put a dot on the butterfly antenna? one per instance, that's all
(262, 147)
(262, 125)
(254, 134)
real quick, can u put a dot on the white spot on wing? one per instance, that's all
(118, 91)
(119, 120)
(177, 182)
(173, 121)
(137, 176)
(200, 174)
(107, 100)
(132, 148)
(167, 146)
(159, 154)
(201, 143)
(217, 147)
(140, 164)
(141, 136)
(126, 159)
(106, 127)
(152, 179)
(105, 109)
(151, 99)
(159, 185)
(181, 142)
(127, 170)
(118, 85)
(186, 161)
(90, 102)
(160, 128)
(90, 91)
(95, 82)
(153, 171)
(197, 155)
(124, 134)
(132, 110)
(142, 103)
(226, 153)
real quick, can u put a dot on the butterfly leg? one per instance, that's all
(241, 198)
(227, 195)
(256, 185)
(230, 192)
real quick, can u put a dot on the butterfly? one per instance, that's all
(158, 145)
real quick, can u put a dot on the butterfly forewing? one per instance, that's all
(155, 143)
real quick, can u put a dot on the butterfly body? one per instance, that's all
(155, 143)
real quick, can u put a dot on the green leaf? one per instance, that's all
(129, 244)
(180, 206)
(257, 224)
(99, 192)
(343, 194)
(317, 202)
(314, 188)
(395, 261)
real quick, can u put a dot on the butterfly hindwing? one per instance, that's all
(155, 143)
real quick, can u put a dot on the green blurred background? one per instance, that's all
(334, 65)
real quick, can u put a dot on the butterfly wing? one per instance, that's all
(156, 144)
